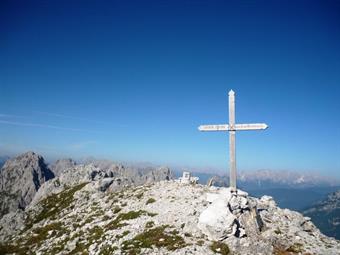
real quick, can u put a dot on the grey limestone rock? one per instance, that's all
(106, 175)
(82, 214)
(12, 223)
(20, 178)
(61, 165)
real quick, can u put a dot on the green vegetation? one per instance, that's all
(219, 247)
(154, 237)
(297, 247)
(152, 214)
(55, 203)
(40, 234)
(117, 222)
(108, 250)
(36, 238)
(95, 234)
(139, 195)
(200, 242)
(106, 217)
(117, 209)
(89, 220)
(11, 248)
(277, 231)
(150, 201)
(125, 233)
(149, 224)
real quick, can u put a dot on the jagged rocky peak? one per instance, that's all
(61, 165)
(20, 178)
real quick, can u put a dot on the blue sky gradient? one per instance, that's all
(132, 81)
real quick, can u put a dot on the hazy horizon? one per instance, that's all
(177, 167)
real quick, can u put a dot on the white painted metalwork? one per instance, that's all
(231, 128)
(238, 127)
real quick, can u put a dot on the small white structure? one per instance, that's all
(187, 178)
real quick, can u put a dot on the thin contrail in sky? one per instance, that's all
(75, 118)
(24, 124)
(2, 115)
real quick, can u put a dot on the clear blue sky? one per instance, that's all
(132, 80)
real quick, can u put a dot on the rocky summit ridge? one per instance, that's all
(165, 217)
(98, 208)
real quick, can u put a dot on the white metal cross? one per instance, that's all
(232, 127)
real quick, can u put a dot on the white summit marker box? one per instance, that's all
(232, 127)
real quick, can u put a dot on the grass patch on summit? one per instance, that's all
(23, 244)
(118, 221)
(158, 237)
(40, 234)
(219, 247)
(297, 247)
(55, 203)
(150, 201)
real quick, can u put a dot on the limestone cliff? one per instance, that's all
(20, 178)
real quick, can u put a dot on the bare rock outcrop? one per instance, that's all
(61, 165)
(20, 178)
(105, 177)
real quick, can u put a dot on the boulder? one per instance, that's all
(104, 184)
(217, 221)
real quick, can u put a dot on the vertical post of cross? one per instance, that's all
(232, 154)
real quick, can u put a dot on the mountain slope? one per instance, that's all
(326, 214)
(27, 179)
(157, 218)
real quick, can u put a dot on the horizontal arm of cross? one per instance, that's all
(237, 127)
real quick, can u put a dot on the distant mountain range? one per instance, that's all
(291, 190)
(269, 179)
(326, 214)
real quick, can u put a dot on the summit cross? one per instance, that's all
(232, 128)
